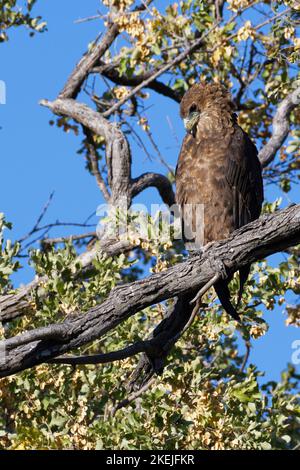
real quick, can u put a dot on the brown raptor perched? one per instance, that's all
(217, 168)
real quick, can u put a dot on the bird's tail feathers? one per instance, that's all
(244, 273)
(222, 291)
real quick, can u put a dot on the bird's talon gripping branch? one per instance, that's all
(220, 268)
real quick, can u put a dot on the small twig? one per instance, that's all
(40, 218)
(246, 356)
(138, 140)
(133, 396)
(273, 18)
(70, 238)
(205, 288)
(156, 148)
(93, 158)
(172, 129)
(88, 18)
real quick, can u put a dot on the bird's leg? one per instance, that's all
(219, 267)
(207, 246)
(221, 288)
(199, 251)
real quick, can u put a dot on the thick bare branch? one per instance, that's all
(281, 127)
(158, 345)
(117, 149)
(263, 237)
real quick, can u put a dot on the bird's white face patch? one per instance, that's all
(185, 122)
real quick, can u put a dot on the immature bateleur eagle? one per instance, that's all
(217, 167)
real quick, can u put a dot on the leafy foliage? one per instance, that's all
(12, 15)
(7, 254)
(207, 398)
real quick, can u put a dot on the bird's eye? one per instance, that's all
(193, 108)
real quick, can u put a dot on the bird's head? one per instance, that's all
(200, 99)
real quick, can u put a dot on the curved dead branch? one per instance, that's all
(155, 180)
(118, 157)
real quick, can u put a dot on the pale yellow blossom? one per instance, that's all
(257, 331)
(235, 5)
(245, 32)
(120, 92)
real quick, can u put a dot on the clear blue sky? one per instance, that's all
(37, 158)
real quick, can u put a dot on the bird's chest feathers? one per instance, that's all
(203, 164)
(214, 132)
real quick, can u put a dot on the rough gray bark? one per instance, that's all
(263, 237)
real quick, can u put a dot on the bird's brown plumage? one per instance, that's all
(217, 167)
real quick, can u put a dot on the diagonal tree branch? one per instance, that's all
(91, 58)
(82, 69)
(263, 237)
(109, 71)
(156, 73)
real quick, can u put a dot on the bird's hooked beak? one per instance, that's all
(190, 122)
